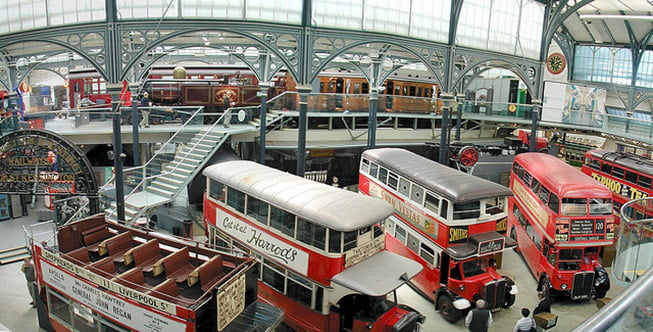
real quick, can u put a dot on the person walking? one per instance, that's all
(145, 102)
(30, 277)
(525, 324)
(479, 319)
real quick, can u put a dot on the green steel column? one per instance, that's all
(118, 156)
(135, 134)
(263, 126)
(447, 101)
(371, 136)
(303, 91)
(532, 144)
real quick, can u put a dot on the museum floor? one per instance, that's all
(17, 315)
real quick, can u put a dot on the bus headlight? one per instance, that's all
(462, 287)
(564, 286)
(461, 304)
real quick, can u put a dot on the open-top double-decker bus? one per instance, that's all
(628, 176)
(450, 222)
(321, 248)
(561, 219)
(96, 275)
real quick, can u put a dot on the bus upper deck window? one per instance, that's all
(574, 206)
(554, 204)
(600, 207)
(605, 168)
(393, 180)
(216, 190)
(335, 244)
(365, 165)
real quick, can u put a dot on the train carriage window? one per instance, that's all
(357, 88)
(374, 169)
(335, 241)
(644, 181)
(393, 180)
(404, 91)
(554, 203)
(283, 221)
(350, 241)
(257, 209)
(606, 168)
(412, 91)
(366, 88)
(365, 165)
(432, 203)
(631, 177)
(400, 234)
(311, 234)
(419, 92)
(216, 190)
(236, 199)
(397, 90)
(383, 175)
(417, 194)
(404, 187)
(427, 253)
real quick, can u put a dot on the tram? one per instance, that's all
(450, 222)
(320, 248)
(102, 276)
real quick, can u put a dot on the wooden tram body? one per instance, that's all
(321, 248)
(112, 277)
(561, 220)
(455, 247)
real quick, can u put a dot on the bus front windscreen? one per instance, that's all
(474, 267)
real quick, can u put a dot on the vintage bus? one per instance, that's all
(561, 220)
(320, 248)
(628, 176)
(450, 222)
(95, 275)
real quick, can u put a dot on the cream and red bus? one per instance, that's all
(320, 248)
(451, 222)
(561, 220)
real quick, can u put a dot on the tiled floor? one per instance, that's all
(17, 315)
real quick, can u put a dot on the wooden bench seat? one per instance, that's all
(133, 279)
(93, 239)
(79, 255)
(207, 274)
(176, 266)
(116, 246)
(166, 289)
(104, 267)
(144, 255)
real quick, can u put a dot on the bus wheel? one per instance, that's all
(510, 300)
(600, 292)
(450, 313)
(513, 236)
(544, 285)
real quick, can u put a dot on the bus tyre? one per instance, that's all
(510, 300)
(544, 285)
(445, 305)
(513, 236)
(600, 292)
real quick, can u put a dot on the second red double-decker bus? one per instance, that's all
(449, 221)
(561, 220)
(628, 176)
(320, 248)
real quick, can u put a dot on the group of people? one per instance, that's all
(479, 319)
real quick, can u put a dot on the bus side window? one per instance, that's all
(535, 186)
(365, 166)
(607, 169)
(216, 190)
(520, 173)
(374, 169)
(311, 234)
(400, 234)
(594, 164)
(417, 194)
(527, 178)
(351, 240)
(544, 195)
(644, 181)
(554, 203)
(236, 199)
(335, 244)
(427, 253)
(383, 175)
(432, 203)
(404, 187)
(631, 177)
(618, 172)
(393, 180)
(283, 221)
(444, 211)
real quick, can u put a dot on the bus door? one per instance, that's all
(444, 268)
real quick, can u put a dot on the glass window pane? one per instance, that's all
(236, 199)
(342, 14)
(311, 234)
(283, 221)
(429, 19)
(282, 11)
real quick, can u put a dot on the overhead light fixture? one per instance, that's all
(586, 17)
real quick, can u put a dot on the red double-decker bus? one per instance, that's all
(320, 248)
(451, 222)
(561, 220)
(628, 176)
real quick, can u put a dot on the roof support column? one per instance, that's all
(264, 121)
(133, 87)
(532, 144)
(118, 155)
(447, 101)
(303, 91)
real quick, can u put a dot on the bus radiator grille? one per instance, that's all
(495, 293)
(582, 285)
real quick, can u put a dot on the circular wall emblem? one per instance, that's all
(556, 63)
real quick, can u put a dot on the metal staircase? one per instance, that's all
(175, 164)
